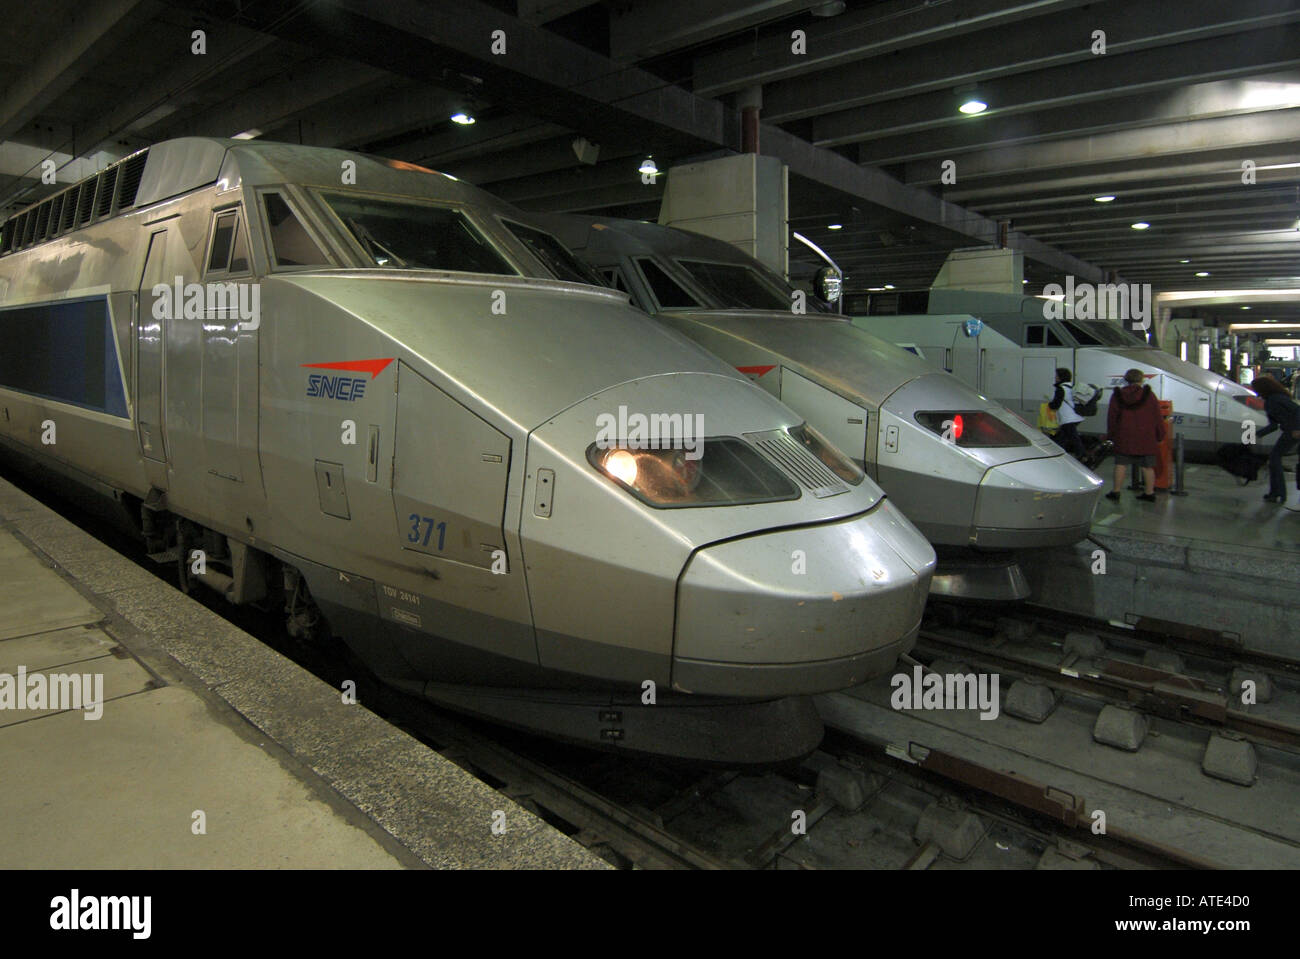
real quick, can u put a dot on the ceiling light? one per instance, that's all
(836, 226)
(1184, 261)
(1140, 225)
(972, 107)
(1103, 199)
(1202, 273)
(889, 286)
(1245, 308)
(875, 289)
(464, 119)
(648, 167)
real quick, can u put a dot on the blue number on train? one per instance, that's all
(414, 536)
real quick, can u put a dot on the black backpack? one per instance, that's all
(1239, 460)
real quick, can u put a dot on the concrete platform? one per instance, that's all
(1219, 557)
(197, 746)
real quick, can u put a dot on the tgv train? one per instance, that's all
(356, 390)
(975, 479)
(1009, 347)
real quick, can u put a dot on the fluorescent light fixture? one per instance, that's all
(1108, 198)
(889, 286)
(464, 119)
(972, 107)
(648, 167)
(1184, 261)
(1182, 350)
(1245, 308)
(1281, 342)
(875, 289)
(1140, 225)
(1202, 273)
(836, 226)
(1204, 356)
(250, 134)
(1247, 327)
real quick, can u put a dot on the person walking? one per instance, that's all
(1135, 426)
(1283, 414)
(1068, 420)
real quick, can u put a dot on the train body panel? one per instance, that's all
(1014, 355)
(866, 395)
(445, 465)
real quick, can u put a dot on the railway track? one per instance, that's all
(862, 800)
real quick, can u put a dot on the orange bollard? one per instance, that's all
(1165, 456)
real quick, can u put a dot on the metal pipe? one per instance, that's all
(1179, 489)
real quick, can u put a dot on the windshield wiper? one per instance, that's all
(371, 244)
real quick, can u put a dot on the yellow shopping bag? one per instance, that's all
(1047, 421)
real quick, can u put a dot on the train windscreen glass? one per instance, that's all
(732, 286)
(411, 236)
(554, 256)
(1101, 333)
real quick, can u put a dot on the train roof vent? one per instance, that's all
(108, 183)
(69, 209)
(793, 458)
(132, 173)
(86, 200)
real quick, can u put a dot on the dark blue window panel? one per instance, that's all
(63, 351)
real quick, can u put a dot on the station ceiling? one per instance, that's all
(1190, 118)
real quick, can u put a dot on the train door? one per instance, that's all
(1037, 378)
(149, 382)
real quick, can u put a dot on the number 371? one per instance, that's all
(415, 536)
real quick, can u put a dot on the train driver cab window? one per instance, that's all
(1040, 334)
(398, 234)
(553, 254)
(613, 277)
(291, 244)
(670, 294)
(228, 249)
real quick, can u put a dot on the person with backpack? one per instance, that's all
(1283, 414)
(1067, 418)
(1135, 426)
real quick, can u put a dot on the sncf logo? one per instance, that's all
(338, 386)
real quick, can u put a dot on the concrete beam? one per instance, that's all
(648, 28)
(96, 28)
(1029, 45)
(1100, 78)
(1247, 136)
(875, 186)
(544, 75)
(272, 104)
(1235, 97)
(876, 30)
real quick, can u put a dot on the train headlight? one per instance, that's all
(715, 472)
(971, 429)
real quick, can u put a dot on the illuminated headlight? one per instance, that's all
(719, 472)
(971, 429)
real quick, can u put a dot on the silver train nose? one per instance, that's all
(1036, 502)
(801, 610)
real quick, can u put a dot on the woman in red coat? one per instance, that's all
(1135, 426)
